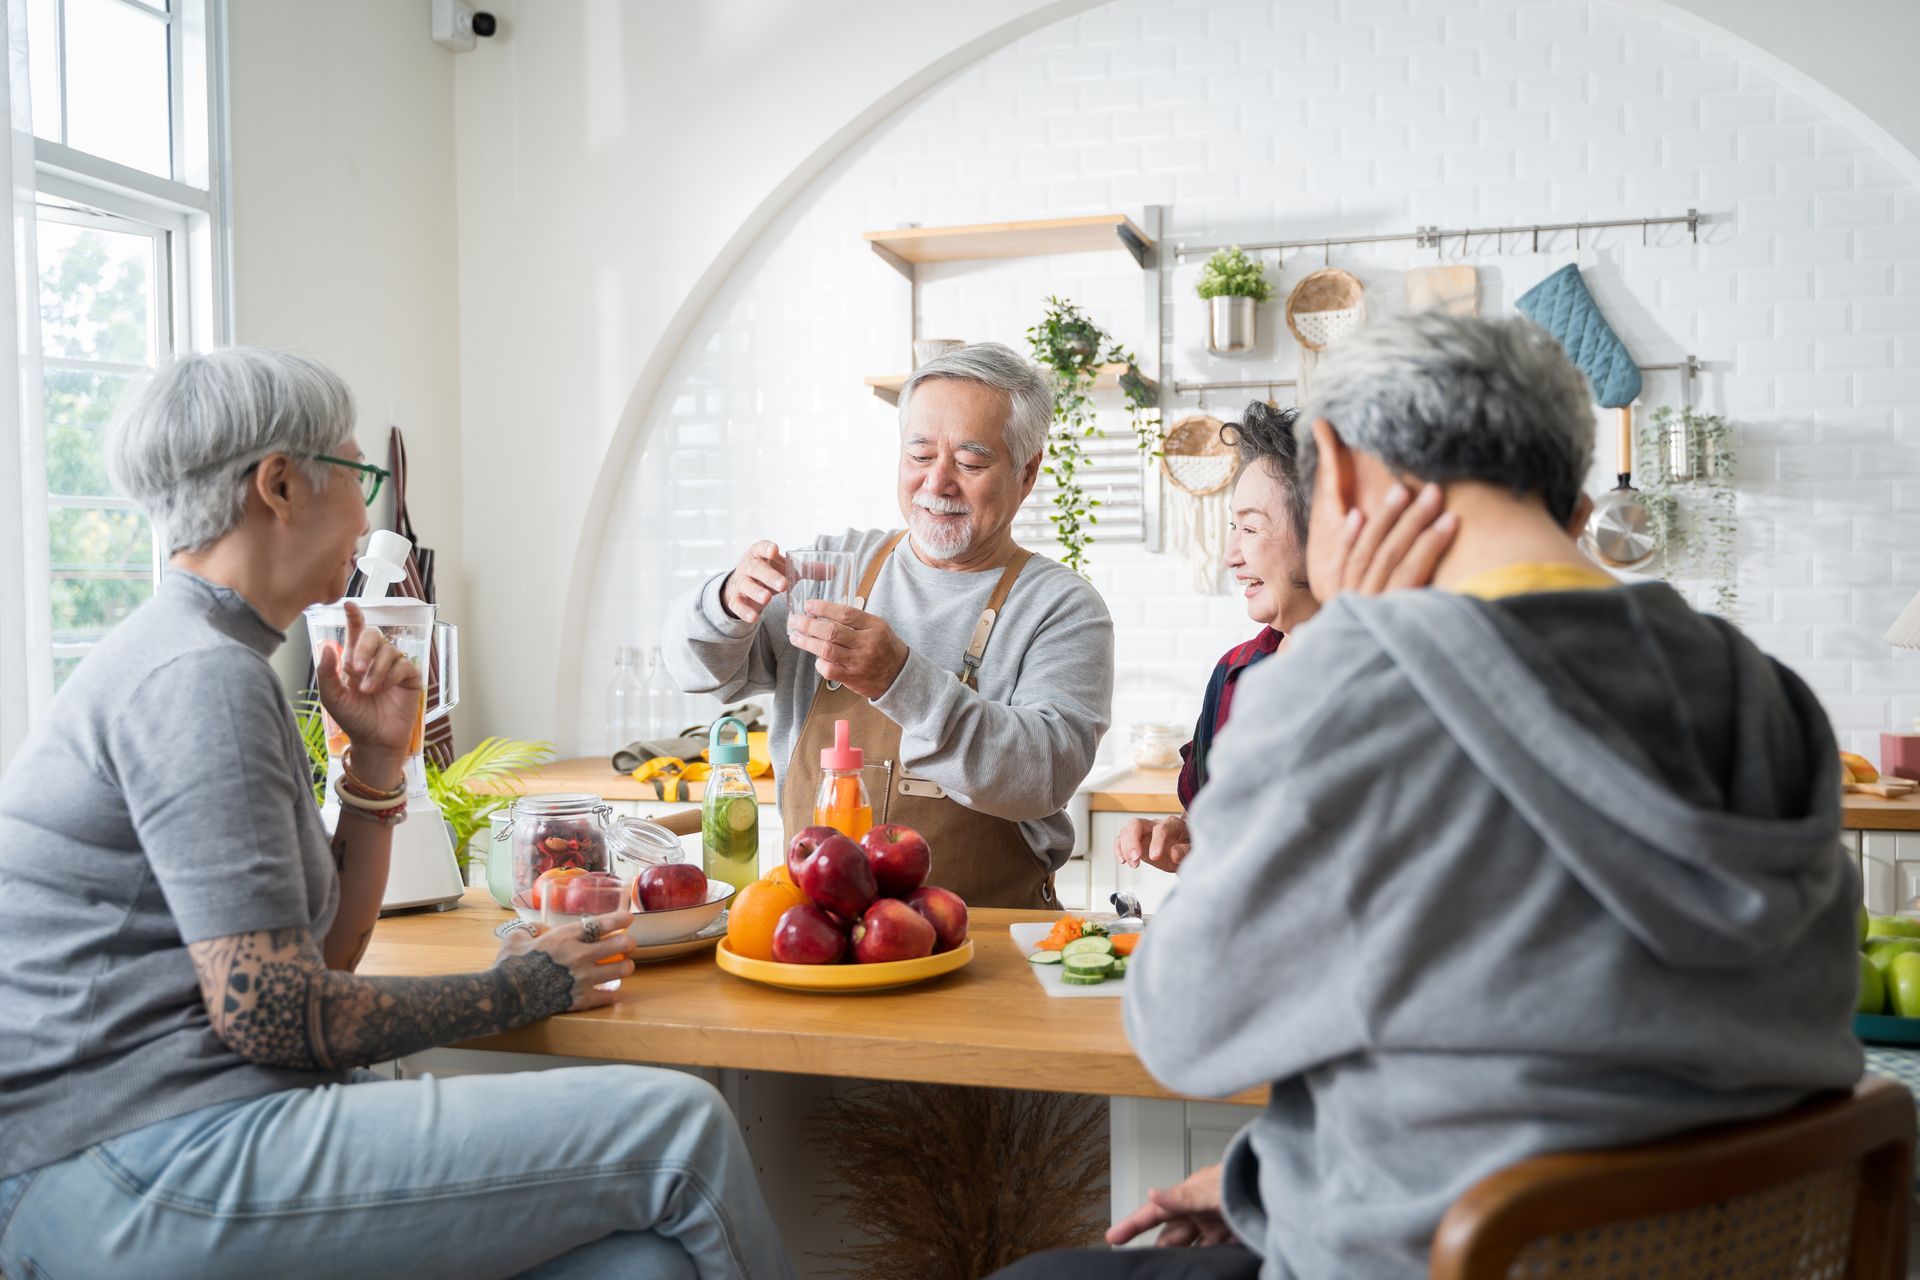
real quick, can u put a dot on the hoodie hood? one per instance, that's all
(1698, 802)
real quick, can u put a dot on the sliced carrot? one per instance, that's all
(1123, 943)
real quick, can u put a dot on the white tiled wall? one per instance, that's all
(1301, 117)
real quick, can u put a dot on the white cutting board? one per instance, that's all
(1027, 938)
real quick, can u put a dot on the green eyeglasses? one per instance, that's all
(370, 476)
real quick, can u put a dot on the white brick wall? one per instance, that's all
(1258, 120)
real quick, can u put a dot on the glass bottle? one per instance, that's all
(663, 701)
(729, 810)
(842, 801)
(626, 701)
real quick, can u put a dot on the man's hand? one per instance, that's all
(1188, 1214)
(759, 577)
(1163, 844)
(850, 646)
(1399, 545)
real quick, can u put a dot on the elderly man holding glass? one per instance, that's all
(977, 677)
(182, 1090)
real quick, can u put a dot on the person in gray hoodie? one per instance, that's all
(1531, 861)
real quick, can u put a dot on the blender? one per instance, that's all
(423, 872)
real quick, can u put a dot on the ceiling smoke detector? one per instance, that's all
(457, 25)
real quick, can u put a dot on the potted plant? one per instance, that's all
(1685, 469)
(1232, 283)
(1075, 349)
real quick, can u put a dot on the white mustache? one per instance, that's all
(941, 506)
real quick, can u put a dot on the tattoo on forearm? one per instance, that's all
(273, 1000)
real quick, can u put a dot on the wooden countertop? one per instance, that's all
(1140, 791)
(987, 1024)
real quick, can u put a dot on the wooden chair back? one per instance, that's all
(1823, 1190)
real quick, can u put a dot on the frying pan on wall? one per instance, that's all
(1620, 532)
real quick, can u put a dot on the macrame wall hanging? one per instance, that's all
(1322, 309)
(1199, 467)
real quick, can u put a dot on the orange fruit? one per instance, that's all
(783, 876)
(754, 913)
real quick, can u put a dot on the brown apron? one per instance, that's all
(982, 858)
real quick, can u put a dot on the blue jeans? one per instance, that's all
(609, 1172)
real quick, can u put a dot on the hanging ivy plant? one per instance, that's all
(1685, 473)
(1074, 348)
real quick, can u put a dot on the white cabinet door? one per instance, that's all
(1890, 869)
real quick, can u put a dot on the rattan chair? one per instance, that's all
(1821, 1192)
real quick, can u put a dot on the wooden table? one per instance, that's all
(987, 1024)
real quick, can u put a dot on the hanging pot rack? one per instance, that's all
(1688, 367)
(1435, 237)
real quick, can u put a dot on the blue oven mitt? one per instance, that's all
(1561, 305)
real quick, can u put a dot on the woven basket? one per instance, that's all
(1325, 307)
(1195, 458)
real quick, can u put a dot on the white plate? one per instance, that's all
(1027, 938)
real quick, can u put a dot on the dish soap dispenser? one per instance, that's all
(729, 810)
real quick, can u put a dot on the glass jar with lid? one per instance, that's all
(552, 831)
(1156, 745)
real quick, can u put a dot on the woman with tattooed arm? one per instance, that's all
(182, 1036)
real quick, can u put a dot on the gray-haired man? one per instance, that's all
(983, 764)
(1530, 861)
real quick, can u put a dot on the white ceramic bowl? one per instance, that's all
(652, 928)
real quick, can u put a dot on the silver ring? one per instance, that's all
(515, 926)
(589, 928)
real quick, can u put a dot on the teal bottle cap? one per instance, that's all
(734, 752)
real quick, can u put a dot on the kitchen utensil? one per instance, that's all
(1620, 531)
(1199, 466)
(1233, 325)
(1453, 291)
(817, 575)
(1562, 305)
(844, 977)
(1885, 788)
(422, 871)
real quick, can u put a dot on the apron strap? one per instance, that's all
(983, 630)
(874, 566)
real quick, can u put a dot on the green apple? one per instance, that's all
(1894, 926)
(1873, 989)
(1881, 951)
(1903, 985)
(1863, 926)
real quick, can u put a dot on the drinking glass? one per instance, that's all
(817, 575)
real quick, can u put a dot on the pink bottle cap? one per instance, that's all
(842, 754)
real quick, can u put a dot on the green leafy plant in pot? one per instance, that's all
(1075, 350)
(1233, 286)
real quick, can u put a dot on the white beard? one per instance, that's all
(941, 540)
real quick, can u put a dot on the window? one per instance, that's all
(127, 253)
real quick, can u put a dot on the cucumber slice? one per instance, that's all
(743, 814)
(1087, 946)
(1045, 957)
(1119, 967)
(1073, 979)
(1089, 964)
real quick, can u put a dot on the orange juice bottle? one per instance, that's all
(842, 801)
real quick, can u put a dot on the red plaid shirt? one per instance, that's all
(1214, 707)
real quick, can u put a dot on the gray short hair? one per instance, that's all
(1028, 387)
(182, 446)
(1451, 398)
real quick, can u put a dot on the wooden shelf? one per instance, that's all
(909, 246)
(887, 385)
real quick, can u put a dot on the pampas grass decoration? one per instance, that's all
(954, 1183)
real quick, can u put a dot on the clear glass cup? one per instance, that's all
(817, 575)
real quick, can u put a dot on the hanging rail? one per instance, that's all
(1688, 367)
(1432, 237)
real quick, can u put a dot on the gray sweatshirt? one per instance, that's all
(1477, 880)
(1016, 748)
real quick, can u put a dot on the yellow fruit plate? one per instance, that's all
(842, 977)
(1876, 1028)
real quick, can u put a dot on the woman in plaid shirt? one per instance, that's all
(1267, 556)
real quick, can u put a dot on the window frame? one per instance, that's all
(187, 211)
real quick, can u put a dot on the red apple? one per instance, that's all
(946, 911)
(802, 846)
(900, 859)
(670, 886)
(807, 935)
(837, 877)
(891, 930)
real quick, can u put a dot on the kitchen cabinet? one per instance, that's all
(1889, 868)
